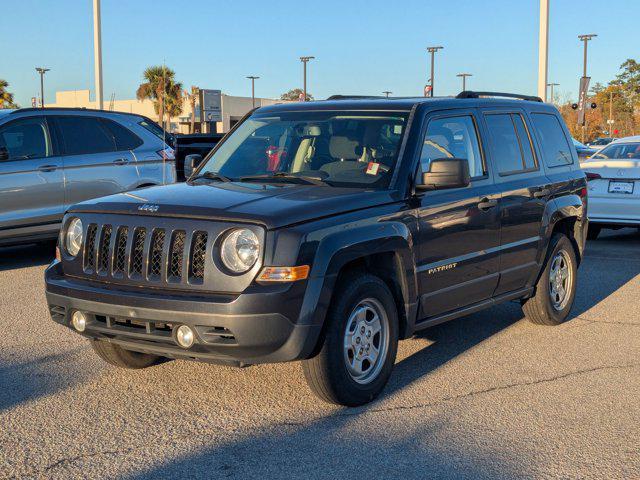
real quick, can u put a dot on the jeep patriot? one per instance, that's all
(327, 231)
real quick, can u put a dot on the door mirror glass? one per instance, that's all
(446, 173)
(191, 162)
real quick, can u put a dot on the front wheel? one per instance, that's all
(556, 288)
(360, 344)
(119, 357)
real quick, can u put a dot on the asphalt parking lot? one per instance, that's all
(486, 396)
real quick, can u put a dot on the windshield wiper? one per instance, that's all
(213, 176)
(284, 177)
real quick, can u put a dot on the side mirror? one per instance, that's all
(191, 162)
(446, 173)
(4, 153)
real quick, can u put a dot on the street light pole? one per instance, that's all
(42, 71)
(432, 51)
(304, 61)
(543, 50)
(464, 79)
(387, 93)
(585, 39)
(253, 90)
(97, 52)
(551, 85)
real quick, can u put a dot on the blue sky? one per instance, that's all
(361, 47)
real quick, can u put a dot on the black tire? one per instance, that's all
(327, 373)
(593, 232)
(119, 357)
(540, 308)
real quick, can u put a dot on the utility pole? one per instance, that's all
(97, 52)
(304, 61)
(253, 90)
(464, 79)
(551, 85)
(543, 50)
(584, 82)
(42, 71)
(387, 93)
(585, 39)
(432, 51)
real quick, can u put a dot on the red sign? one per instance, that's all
(616, 132)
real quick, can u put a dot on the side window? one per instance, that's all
(453, 137)
(554, 145)
(25, 138)
(510, 143)
(125, 139)
(85, 135)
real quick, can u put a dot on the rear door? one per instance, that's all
(95, 165)
(459, 229)
(31, 178)
(525, 192)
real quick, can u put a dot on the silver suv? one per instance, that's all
(53, 158)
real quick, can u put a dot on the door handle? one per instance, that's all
(47, 168)
(487, 204)
(543, 192)
(121, 161)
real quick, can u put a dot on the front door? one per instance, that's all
(31, 178)
(459, 229)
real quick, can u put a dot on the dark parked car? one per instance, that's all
(53, 158)
(583, 151)
(326, 232)
(193, 144)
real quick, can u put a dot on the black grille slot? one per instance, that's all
(58, 313)
(176, 255)
(197, 258)
(103, 252)
(90, 247)
(137, 251)
(155, 255)
(120, 256)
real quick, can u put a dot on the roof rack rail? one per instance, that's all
(354, 97)
(72, 109)
(472, 94)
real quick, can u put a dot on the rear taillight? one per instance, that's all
(592, 176)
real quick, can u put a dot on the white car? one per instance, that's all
(613, 176)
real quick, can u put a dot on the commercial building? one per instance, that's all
(233, 108)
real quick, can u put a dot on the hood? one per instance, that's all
(273, 206)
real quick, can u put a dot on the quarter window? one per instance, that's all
(85, 135)
(510, 143)
(24, 139)
(123, 137)
(555, 147)
(452, 137)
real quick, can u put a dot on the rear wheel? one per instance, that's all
(593, 232)
(119, 357)
(556, 288)
(360, 344)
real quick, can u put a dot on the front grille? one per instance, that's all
(155, 257)
(104, 249)
(90, 247)
(176, 255)
(137, 253)
(119, 258)
(197, 259)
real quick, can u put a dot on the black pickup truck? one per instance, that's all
(192, 144)
(327, 231)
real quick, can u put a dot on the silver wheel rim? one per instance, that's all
(366, 341)
(560, 280)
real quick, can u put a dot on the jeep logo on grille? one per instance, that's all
(147, 207)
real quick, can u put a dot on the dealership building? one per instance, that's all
(232, 108)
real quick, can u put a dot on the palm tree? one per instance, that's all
(160, 87)
(6, 98)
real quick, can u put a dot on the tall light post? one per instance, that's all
(432, 51)
(464, 79)
(387, 93)
(304, 61)
(97, 52)
(584, 83)
(543, 50)
(551, 85)
(585, 38)
(42, 71)
(253, 90)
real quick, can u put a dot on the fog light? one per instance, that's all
(79, 321)
(184, 336)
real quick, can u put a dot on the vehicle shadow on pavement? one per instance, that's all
(24, 256)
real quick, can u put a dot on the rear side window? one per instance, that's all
(85, 135)
(510, 143)
(124, 138)
(24, 139)
(553, 142)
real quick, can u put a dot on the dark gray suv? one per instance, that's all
(53, 158)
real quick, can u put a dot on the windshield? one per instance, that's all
(619, 150)
(339, 148)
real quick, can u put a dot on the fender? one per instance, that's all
(337, 249)
(569, 206)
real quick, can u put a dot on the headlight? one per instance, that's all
(73, 237)
(240, 250)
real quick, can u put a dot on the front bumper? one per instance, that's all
(258, 326)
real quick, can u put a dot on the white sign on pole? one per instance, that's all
(212, 105)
